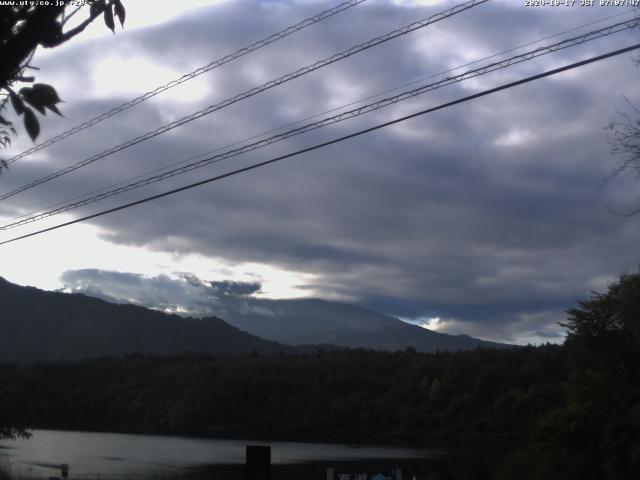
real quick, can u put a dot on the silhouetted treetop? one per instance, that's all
(24, 28)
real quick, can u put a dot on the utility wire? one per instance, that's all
(316, 115)
(474, 62)
(297, 122)
(331, 142)
(254, 91)
(523, 57)
(199, 71)
(311, 117)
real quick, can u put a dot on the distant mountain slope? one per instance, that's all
(312, 321)
(37, 325)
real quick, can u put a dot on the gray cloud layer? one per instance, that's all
(185, 295)
(486, 215)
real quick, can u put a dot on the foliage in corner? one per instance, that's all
(604, 391)
(595, 435)
(624, 138)
(12, 414)
(23, 28)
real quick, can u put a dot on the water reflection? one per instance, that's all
(121, 456)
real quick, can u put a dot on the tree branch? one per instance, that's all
(38, 28)
(68, 17)
(79, 29)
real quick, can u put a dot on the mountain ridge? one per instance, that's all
(313, 321)
(39, 325)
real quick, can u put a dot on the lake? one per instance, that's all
(129, 457)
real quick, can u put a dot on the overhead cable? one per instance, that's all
(330, 142)
(198, 71)
(254, 91)
(371, 107)
(319, 114)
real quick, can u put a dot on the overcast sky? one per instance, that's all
(486, 218)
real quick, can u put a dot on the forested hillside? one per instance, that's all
(358, 396)
(37, 325)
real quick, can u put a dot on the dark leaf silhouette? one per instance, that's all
(108, 20)
(32, 99)
(46, 93)
(31, 123)
(119, 11)
(30, 25)
(54, 109)
(41, 96)
(18, 104)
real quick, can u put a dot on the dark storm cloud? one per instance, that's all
(486, 215)
(228, 287)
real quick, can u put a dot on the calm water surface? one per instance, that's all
(119, 456)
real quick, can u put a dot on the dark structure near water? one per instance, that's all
(258, 462)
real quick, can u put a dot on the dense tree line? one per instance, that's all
(595, 433)
(357, 395)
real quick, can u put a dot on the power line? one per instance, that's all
(335, 119)
(199, 71)
(331, 142)
(495, 55)
(578, 40)
(254, 91)
(297, 122)
(316, 115)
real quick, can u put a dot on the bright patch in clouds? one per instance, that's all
(515, 138)
(143, 14)
(129, 76)
(432, 323)
(81, 246)
(139, 15)
(528, 330)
